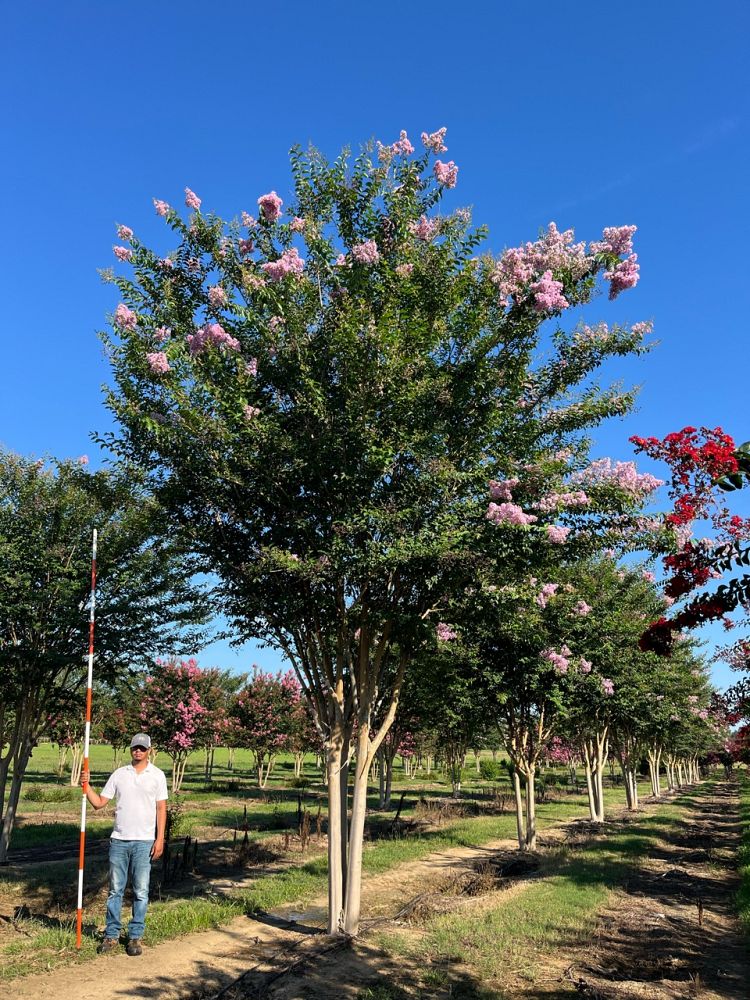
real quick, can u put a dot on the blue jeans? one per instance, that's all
(133, 857)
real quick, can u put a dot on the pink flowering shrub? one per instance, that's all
(509, 513)
(264, 712)
(547, 294)
(192, 200)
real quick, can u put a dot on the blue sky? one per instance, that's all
(585, 114)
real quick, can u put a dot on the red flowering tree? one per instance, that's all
(266, 713)
(319, 395)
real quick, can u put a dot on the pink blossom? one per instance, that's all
(166, 263)
(642, 329)
(556, 533)
(341, 260)
(162, 333)
(254, 282)
(585, 666)
(547, 294)
(192, 200)
(624, 475)
(509, 513)
(290, 262)
(366, 253)
(161, 207)
(608, 687)
(270, 206)
(246, 247)
(211, 334)
(404, 270)
(446, 174)
(574, 498)
(648, 576)
(558, 660)
(616, 240)
(251, 412)
(424, 229)
(502, 489)
(402, 146)
(122, 253)
(124, 233)
(125, 318)
(158, 362)
(445, 633)
(555, 252)
(548, 590)
(248, 221)
(217, 297)
(251, 368)
(83, 460)
(434, 141)
(582, 608)
(298, 224)
(624, 275)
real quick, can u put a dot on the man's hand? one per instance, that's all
(85, 777)
(158, 849)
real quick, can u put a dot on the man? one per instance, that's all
(141, 792)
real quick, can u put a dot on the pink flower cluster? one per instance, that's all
(246, 247)
(401, 147)
(125, 318)
(298, 224)
(251, 412)
(502, 489)
(642, 329)
(616, 240)
(624, 475)
(547, 294)
(548, 591)
(560, 661)
(366, 253)
(192, 200)
(509, 513)
(158, 363)
(217, 297)
(648, 576)
(424, 229)
(270, 206)
(212, 334)
(162, 333)
(435, 140)
(446, 174)
(585, 666)
(404, 270)
(289, 262)
(555, 252)
(161, 207)
(251, 368)
(124, 233)
(556, 534)
(122, 253)
(582, 608)
(445, 633)
(553, 501)
(608, 687)
(623, 275)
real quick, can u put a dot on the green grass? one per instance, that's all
(559, 910)
(743, 857)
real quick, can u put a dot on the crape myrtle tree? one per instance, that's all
(266, 711)
(319, 396)
(146, 599)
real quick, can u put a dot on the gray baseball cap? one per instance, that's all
(141, 740)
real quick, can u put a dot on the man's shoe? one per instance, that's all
(108, 946)
(134, 947)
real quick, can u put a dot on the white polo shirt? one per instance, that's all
(137, 795)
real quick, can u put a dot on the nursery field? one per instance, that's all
(446, 894)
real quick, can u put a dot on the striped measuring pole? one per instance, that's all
(86, 737)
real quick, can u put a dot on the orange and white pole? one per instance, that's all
(86, 737)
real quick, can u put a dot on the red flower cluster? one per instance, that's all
(659, 636)
(689, 569)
